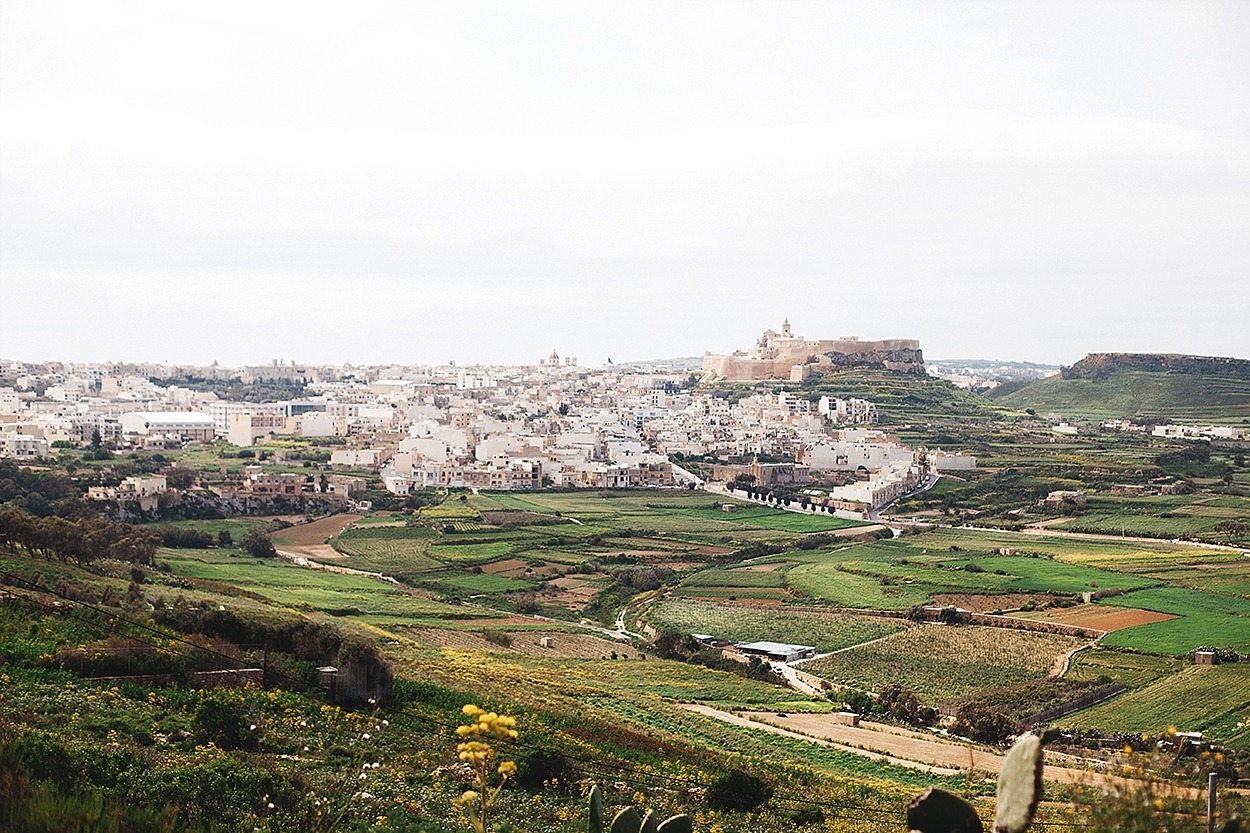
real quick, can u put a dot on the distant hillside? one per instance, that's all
(1159, 386)
(901, 397)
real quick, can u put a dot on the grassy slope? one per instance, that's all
(1126, 392)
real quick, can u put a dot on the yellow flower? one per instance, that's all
(507, 769)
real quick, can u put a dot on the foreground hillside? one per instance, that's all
(105, 709)
(1159, 387)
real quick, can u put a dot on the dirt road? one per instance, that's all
(896, 745)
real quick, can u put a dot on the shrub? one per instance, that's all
(497, 637)
(221, 719)
(738, 791)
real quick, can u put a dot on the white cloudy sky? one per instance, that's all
(419, 182)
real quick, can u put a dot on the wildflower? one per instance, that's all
(477, 753)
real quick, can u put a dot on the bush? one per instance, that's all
(220, 718)
(497, 637)
(738, 791)
(547, 768)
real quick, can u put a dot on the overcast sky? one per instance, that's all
(412, 182)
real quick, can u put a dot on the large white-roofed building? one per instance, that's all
(189, 426)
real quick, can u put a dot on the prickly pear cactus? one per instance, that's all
(596, 810)
(937, 811)
(1019, 785)
(627, 821)
(630, 821)
(681, 823)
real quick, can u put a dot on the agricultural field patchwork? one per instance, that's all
(304, 589)
(1196, 516)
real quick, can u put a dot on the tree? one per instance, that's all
(182, 479)
(258, 544)
(983, 724)
(224, 539)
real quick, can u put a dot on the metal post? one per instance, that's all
(1211, 779)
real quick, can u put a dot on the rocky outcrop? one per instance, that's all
(901, 360)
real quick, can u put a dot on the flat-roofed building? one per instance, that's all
(189, 426)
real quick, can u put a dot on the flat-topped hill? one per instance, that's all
(1101, 365)
(1160, 386)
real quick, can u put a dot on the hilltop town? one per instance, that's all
(554, 424)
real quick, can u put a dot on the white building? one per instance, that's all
(15, 446)
(183, 425)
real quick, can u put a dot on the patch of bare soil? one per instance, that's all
(504, 565)
(313, 534)
(517, 517)
(1103, 617)
(895, 744)
(577, 585)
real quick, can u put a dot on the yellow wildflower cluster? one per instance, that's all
(487, 724)
(475, 751)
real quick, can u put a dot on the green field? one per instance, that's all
(741, 577)
(1213, 699)
(684, 515)
(1204, 619)
(761, 517)
(301, 588)
(388, 549)
(1229, 577)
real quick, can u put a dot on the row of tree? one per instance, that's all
(81, 540)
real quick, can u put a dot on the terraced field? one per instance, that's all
(941, 662)
(1133, 669)
(827, 631)
(388, 549)
(1214, 699)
